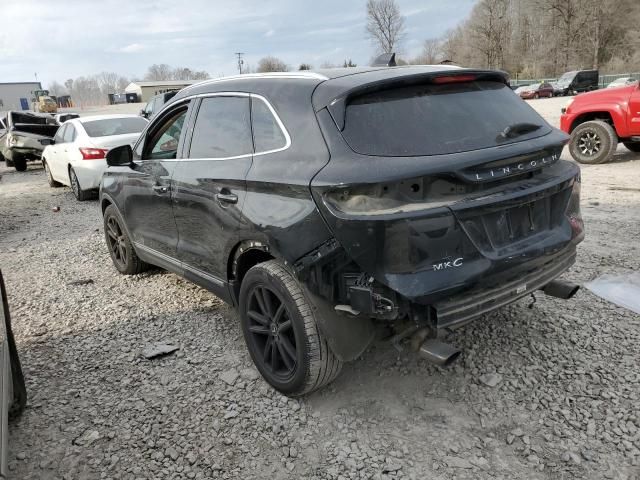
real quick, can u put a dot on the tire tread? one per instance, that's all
(323, 366)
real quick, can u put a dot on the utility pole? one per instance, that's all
(240, 61)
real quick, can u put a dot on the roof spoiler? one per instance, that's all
(385, 60)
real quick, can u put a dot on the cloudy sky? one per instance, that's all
(63, 39)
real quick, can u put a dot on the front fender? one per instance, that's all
(616, 111)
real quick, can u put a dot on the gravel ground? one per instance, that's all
(543, 391)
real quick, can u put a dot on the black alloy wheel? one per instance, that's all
(281, 331)
(272, 333)
(116, 242)
(121, 249)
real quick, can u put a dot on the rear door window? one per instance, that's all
(69, 134)
(222, 128)
(267, 133)
(59, 136)
(435, 119)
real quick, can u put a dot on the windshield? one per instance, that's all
(566, 78)
(438, 119)
(114, 126)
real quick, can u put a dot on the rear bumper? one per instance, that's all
(501, 290)
(89, 173)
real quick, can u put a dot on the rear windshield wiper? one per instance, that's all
(517, 129)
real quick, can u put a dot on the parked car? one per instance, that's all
(76, 155)
(622, 82)
(572, 83)
(324, 204)
(13, 393)
(155, 104)
(20, 135)
(597, 121)
(537, 90)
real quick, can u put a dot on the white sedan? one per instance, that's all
(76, 156)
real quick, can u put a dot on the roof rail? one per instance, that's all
(248, 76)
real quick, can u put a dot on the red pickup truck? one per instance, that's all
(598, 120)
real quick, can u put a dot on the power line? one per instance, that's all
(240, 61)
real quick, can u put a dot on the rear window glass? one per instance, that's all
(439, 119)
(267, 134)
(114, 126)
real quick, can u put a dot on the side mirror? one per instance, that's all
(47, 141)
(120, 156)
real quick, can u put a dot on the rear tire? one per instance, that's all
(19, 162)
(593, 142)
(281, 332)
(121, 249)
(52, 182)
(633, 146)
(81, 195)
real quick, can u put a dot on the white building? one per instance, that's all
(145, 90)
(17, 95)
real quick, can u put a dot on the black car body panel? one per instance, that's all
(381, 236)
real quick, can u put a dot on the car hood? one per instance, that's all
(606, 95)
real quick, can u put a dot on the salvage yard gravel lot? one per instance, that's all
(544, 390)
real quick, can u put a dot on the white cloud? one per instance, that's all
(132, 48)
(269, 33)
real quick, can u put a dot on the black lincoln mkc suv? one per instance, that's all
(324, 205)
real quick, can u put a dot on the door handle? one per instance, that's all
(160, 188)
(227, 197)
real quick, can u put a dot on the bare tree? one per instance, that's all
(348, 64)
(160, 71)
(272, 64)
(123, 82)
(385, 24)
(304, 66)
(431, 52)
(57, 89)
(108, 82)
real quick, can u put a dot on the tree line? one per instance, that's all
(544, 38)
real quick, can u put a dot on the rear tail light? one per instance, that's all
(573, 211)
(93, 153)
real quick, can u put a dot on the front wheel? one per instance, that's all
(633, 146)
(281, 332)
(81, 195)
(123, 255)
(593, 142)
(52, 182)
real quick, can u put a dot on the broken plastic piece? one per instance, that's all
(623, 290)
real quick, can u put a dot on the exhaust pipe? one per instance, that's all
(561, 289)
(438, 353)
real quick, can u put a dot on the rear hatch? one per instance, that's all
(443, 182)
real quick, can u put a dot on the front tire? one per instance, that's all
(52, 182)
(633, 146)
(121, 249)
(593, 142)
(281, 332)
(81, 195)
